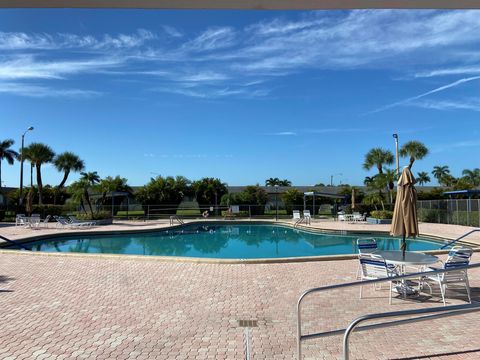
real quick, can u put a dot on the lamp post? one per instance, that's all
(331, 178)
(21, 164)
(395, 136)
(276, 202)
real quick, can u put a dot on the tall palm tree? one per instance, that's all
(472, 176)
(25, 155)
(377, 157)
(272, 182)
(368, 180)
(87, 180)
(423, 178)
(440, 172)
(415, 150)
(67, 162)
(40, 154)
(7, 154)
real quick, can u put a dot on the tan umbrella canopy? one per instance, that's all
(404, 220)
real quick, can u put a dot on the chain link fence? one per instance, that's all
(450, 211)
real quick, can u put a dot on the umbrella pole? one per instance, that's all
(404, 246)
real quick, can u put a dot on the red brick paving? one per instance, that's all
(104, 308)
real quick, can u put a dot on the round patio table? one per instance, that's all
(397, 258)
(411, 258)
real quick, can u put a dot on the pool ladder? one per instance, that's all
(174, 218)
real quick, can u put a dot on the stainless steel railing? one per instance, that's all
(14, 243)
(301, 337)
(459, 238)
(174, 218)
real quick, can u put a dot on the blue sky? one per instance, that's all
(240, 95)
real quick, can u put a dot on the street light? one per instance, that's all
(331, 178)
(21, 164)
(276, 202)
(395, 136)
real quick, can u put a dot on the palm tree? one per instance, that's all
(415, 149)
(67, 162)
(40, 154)
(377, 157)
(272, 182)
(423, 178)
(87, 180)
(7, 154)
(440, 172)
(25, 155)
(285, 182)
(472, 176)
(368, 180)
(390, 177)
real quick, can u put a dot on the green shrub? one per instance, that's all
(427, 215)
(463, 218)
(381, 214)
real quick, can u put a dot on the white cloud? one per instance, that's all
(455, 145)
(471, 104)
(25, 41)
(284, 133)
(434, 91)
(463, 70)
(212, 39)
(36, 91)
(27, 67)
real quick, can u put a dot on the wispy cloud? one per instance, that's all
(463, 70)
(455, 145)
(434, 91)
(43, 91)
(470, 104)
(222, 61)
(283, 133)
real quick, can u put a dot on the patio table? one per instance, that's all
(410, 258)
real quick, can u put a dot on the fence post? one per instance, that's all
(148, 212)
(468, 212)
(250, 212)
(458, 215)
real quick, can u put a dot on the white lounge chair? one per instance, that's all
(296, 215)
(46, 220)
(307, 216)
(374, 267)
(73, 220)
(63, 223)
(457, 257)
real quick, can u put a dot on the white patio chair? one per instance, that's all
(296, 215)
(307, 216)
(20, 220)
(374, 267)
(457, 257)
(365, 246)
(63, 223)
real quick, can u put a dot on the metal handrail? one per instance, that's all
(460, 238)
(175, 217)
(444, 312)
(301, 337)
(15, 243)
(298, 222)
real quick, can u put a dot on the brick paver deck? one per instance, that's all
(74, 307)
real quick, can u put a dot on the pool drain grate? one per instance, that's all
(247, 324)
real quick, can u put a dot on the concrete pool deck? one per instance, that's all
(95, 307)
(87, 307)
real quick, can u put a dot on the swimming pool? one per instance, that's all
(221, 241)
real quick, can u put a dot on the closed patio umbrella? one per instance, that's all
(404, 220)
(353, 198)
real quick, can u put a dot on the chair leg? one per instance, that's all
(467, 285)
(390, 294)
(361, 287)
(442, 290)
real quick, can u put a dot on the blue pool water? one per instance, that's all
(239, 241)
